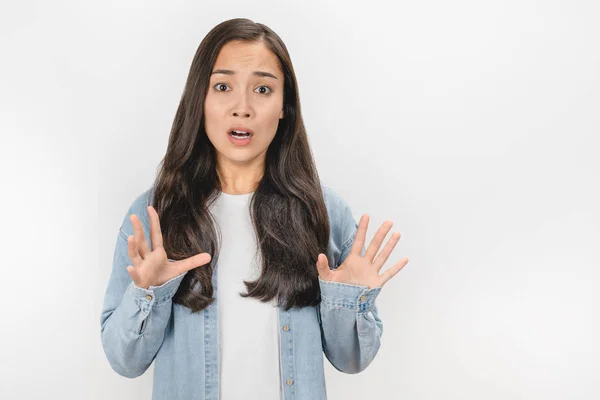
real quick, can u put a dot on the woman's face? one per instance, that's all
(245, 93)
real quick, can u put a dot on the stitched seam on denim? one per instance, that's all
(372, 291)
(361, 309)
(366, 308)
(145, 304)
(162, 300)
(340, 304)
(341, 284)
(142, 302)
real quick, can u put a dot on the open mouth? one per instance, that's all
(240, 134)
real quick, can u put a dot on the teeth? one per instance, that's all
(239, 134)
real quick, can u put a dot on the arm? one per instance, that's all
(133, 319)
(350, 325)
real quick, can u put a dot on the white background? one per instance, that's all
(472, 125)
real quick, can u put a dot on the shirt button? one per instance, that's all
(289, 382)
(149, 297)
(363, 298)
(286, 328)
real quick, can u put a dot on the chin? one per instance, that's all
(239, 156)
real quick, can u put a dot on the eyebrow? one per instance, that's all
(256, 73)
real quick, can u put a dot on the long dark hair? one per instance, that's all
(287, 210)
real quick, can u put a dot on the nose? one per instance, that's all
(241, 107)
(242, 113)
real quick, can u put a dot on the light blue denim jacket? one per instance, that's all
(139, 326)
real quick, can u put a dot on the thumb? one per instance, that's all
(192, 262)
(133, 273)
(323, 267)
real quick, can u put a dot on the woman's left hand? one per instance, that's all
(364, 271)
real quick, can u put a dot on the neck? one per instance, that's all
(240, 177)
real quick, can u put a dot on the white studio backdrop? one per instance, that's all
(472, 125)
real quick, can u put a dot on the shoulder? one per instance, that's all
(338, 208)
(342, 224)
(138, 207)
(333, 200)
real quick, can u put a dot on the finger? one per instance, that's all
(132, 251)
(389, 274)
(138, 233)
(190, 263)
(361, 233)
(133, 274)
(323, 267)
(387, 250)
(377, 240)
(155, 232)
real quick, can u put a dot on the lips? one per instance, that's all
(240, 128)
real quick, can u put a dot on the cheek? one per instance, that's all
(274, 118)
(274, 112)
(209, 107)
(212, 114)
(211, 124)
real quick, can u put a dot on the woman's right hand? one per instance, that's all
(152, 268)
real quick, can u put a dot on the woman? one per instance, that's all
(254, 269)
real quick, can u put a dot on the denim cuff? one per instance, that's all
(146, 298)
(350, 297)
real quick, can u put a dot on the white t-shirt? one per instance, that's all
(248, 328)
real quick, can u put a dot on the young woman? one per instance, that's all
(238, 269)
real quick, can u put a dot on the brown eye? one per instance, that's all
(220, 85)
(265, 87)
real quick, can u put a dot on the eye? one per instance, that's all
(218, 85)
(266, 87)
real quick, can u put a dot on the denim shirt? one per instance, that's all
(139, 326)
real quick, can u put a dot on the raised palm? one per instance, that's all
(152, 268)
(364, 271)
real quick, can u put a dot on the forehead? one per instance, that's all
(240, 55)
